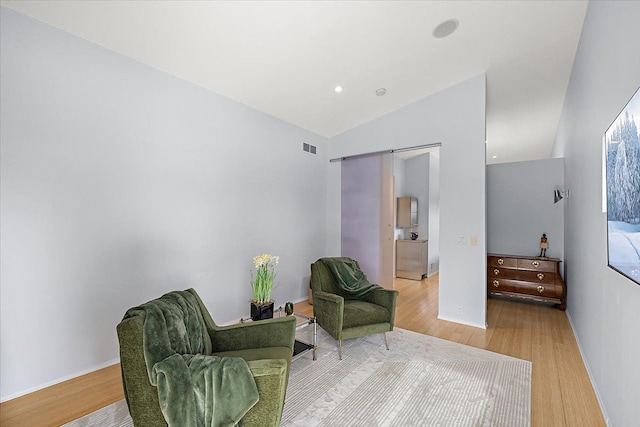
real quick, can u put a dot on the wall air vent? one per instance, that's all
(308, 148)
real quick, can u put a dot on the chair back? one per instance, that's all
(322, 280)
(141, 395)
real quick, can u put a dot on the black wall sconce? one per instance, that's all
(559, 195)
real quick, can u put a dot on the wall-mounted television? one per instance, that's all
(622, 144)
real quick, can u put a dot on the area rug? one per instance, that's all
(420, 381)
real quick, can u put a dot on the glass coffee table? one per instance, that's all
(303, 321)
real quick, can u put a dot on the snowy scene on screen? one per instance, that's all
(623, 190)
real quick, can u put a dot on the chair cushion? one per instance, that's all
(360, 313)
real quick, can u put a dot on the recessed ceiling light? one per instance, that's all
(381, 91)
(445, 29)
(338, 89)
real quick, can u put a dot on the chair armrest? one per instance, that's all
(329, 312)
(265, 367)
(276, 332)
(383, 297)
(387, 299)
(271, 379)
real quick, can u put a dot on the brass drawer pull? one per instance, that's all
(540, 289)
(496, 283)
(500, 261)
(540, 276)
(496, 271)
(535, 264)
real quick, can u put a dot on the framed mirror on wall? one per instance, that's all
(622, 146)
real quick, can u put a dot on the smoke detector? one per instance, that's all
(445, 28)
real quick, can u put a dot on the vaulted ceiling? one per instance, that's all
(286, 57)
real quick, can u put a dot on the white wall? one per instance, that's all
(603, 305)
(120, 183)
(456, 118)
(520, 207)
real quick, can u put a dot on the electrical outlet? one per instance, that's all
(459, 309)
(462, 240)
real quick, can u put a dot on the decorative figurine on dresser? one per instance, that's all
(528, 278)
(544, 245)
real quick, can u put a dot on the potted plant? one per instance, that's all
(262, 284)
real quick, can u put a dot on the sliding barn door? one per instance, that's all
(367, 215)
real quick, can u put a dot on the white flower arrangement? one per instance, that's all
(262, 283)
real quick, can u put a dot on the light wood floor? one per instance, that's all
(561, 391)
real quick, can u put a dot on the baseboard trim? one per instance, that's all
(8, 397)
(38, 387)
(586, 365)
(448, 319)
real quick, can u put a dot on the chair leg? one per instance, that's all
(339, 349)
(386, 344)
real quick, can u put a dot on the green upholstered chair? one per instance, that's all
(267, 346)
(345, 318)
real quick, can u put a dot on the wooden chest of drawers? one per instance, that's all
(530, 278)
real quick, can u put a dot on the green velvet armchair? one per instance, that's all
(343, 317)
(267, 346)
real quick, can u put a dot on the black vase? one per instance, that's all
(288, 308)
(261, 311)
